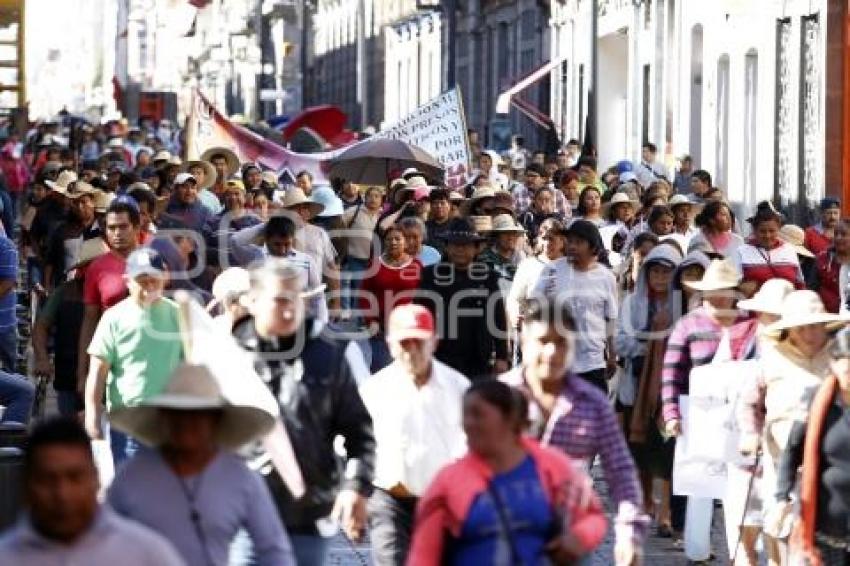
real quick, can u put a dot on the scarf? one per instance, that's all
(649, 391)
(719, 241)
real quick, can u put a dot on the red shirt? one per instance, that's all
(815, 240)
(828, 269)
(387, 287)
(104, 285)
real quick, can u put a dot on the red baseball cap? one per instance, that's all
(410, 321)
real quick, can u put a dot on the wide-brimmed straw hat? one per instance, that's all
(295, 196)
(78, 189)
(796, 237)
(193, 388)
(721, 274)
(161, 155)
(210, 174)
(60, 185)
(456, 197)
(679, 200)
(91, 249)
(414, 184)
(481, 224)
(619, 198)
(505, 223)
(802, 308)
(769, 298)
(229, 155)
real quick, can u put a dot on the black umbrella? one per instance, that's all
(372, 161)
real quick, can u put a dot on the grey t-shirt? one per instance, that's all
(227, 496)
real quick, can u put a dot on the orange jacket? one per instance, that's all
(446, 503)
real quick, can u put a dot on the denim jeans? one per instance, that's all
(123, 447)
(310, 550)
(352, 277)
(9, 349)
(16, 394)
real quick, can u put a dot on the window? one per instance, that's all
(721, 156)
(696, 95)
(644, 126)
(751, 84)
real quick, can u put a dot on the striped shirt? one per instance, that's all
(583, 425)
(693, 343)
(757, 264)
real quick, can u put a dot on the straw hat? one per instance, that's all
(481, 224)
(414, 184)
(456, 197)
(232, 160)
(162, 155)
(102, 200)
(269, 178)
(483, 192)
(295, 196)
(504, 223)
(795, 236)
(679, 200)
(89, 251)
(769, 298)
(619, 198)
(80, 188)
(210, 174)
(193, 388)
(721, 274)
(802, 308)
(60, 185)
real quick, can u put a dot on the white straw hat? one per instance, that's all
(802, 308)
(210, 174)
(295, 196)
(193, 388)
(505, 223)
(769, 298)
(796, 237)
(721, 274)
(229, 156)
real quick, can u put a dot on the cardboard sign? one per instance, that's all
(438, 127)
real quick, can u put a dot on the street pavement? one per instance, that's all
(657, 551)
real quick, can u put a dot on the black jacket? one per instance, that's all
(469, 311)
(313, 378)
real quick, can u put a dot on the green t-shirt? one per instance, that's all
(142, 347)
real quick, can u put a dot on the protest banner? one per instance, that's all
(438, 127)
(710, 433)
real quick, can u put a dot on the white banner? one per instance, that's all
(710, 433)
(438, 127)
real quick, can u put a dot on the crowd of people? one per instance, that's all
(450, 365)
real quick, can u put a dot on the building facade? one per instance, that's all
(499, 42)
(741, 86)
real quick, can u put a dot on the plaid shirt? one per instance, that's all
(583, 425)
(523, 199)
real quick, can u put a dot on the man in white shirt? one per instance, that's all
(415, 404)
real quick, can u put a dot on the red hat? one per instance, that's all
(410, 321)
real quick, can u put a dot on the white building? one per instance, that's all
(738, 84)
(413, 64)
